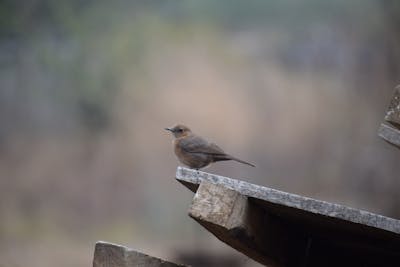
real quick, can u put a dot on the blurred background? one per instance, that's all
(86, 88)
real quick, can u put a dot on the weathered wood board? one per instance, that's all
(112, 255)
(277, 228)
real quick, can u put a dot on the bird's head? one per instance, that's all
(179, 130)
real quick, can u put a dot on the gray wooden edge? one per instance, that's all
(113, 255)
(192, 179)
(390, 129)
(281, 229)
(390, 134)
(228, 215)
(393, 112)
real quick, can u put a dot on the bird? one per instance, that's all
(195, 151)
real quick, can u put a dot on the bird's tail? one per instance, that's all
(242, 161)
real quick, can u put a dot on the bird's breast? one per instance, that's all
(191, 159)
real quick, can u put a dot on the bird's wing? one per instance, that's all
(196, 144)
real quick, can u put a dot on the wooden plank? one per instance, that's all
(390, 134)
(236, 221)
(393, 112)
(390, 131)
(283, 229)
(192, 179)
(112, 255)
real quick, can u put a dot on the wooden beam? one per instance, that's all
(112, 255)
(283, 229)
(390, 134)
(390, 130)
(393, 111)
(192, 179)
(235, 220)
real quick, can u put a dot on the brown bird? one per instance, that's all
(196, 152)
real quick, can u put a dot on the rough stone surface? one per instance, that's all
(112, 255)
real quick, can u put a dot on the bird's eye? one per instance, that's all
(180, 130)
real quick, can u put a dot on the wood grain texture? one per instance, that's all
(390, 134)
(277, 228)
(241, 224)
(112, 255)
(393, 111)
(192, 179)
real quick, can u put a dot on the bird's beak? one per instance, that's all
(168, 129)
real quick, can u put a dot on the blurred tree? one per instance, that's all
(391, 9)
